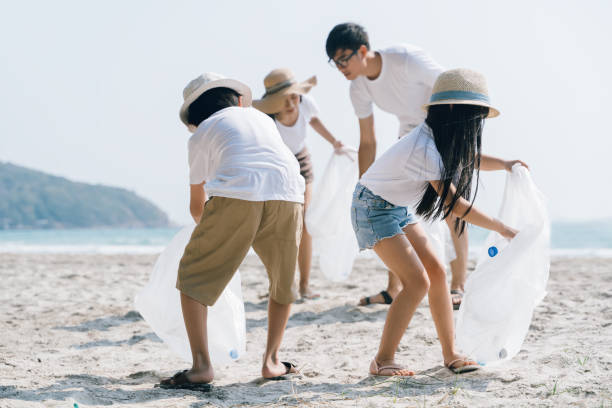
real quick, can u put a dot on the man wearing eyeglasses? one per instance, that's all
(398, 80)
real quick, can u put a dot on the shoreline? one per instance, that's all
(474, 253)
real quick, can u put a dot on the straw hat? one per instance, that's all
(280, 83)
(461, 86)
(210, 80)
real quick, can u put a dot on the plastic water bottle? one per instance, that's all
(498, 245)
(233, 354)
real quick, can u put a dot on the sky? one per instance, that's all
(91, 90)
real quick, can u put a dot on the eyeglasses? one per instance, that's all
(342, 62)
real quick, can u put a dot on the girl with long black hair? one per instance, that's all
(432, 170)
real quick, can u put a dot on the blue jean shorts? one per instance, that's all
(374, 218)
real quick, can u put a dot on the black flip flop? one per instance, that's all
(288, 367)
(179, 381)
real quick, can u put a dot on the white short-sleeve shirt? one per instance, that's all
(404, 85)
(401, 175)
(239, 154)
(295, 136)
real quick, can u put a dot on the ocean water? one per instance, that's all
(592, 238)
(104, 241)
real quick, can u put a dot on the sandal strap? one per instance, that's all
(452, 363)
(288, 366)
(386, 296)
(180, 378)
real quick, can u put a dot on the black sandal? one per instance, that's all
(288, 367)
(386, 296)
(179, 381)
(459, 293)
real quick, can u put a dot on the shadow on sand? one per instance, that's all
(96, 390)
(339, 314)
(103, 323)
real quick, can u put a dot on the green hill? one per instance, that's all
(31, 199)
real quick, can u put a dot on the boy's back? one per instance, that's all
(240, 154)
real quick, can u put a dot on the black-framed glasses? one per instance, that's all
(342, 62)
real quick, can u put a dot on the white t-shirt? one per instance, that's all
(295, 136)
(402, 173)
(405, 82)
(239, 153)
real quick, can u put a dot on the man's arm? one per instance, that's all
(475, 216)
(367, 144)
(490, 163)
(196, 203)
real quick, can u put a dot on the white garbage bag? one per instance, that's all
(160, 305)
(328, 219)
(510, 277)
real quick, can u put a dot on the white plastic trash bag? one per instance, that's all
(160, 305)
(510, 278)
(328, 219)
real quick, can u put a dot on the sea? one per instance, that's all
(585, 239)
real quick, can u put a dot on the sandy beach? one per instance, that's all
(69, 334)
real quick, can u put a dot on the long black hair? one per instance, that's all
(457, 132)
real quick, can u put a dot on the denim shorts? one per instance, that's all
(374, 218)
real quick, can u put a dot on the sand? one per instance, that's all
(68, 334)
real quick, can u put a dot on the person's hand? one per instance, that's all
(509, 163)
(338, 145)
(507, 232)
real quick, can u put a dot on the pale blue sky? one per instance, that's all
(91, 91)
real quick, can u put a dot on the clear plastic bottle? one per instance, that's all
(497, 246)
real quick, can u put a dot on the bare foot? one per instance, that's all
(273, 370)
(379, 297)
(389, 368)
(306, 293)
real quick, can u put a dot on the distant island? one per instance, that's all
(31, 199)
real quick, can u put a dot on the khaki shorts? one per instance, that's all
(220, 242)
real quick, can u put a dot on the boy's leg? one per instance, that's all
(439, 296)
(459, 264)
(277, 242)
(305, 252)
(195, 316)
(217, 246)
(399, 256)
(278, 315)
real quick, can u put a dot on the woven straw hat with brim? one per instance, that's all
(461, 86)
(210, 80)
(280, 83)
